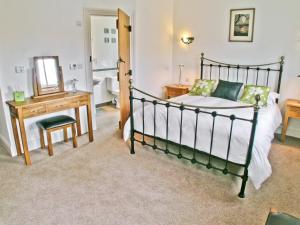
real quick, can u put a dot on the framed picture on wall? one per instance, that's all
(241, 25)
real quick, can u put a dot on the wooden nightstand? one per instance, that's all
(175, 90)
(292, 110)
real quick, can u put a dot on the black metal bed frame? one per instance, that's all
(198, 110)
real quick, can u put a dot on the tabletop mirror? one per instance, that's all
(47, 76)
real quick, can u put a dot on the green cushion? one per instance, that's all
(56, 121)
(227, 90)
(203, 87)
(251, 91)
(282, 219)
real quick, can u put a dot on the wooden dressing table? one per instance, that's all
(40, 106)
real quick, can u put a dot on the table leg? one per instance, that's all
(16, 134)
(285, 125)
(90, 123)
(24, 141)
(50, 146)
(78, 124)
(66, 139)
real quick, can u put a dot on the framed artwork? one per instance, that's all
(106, 40)
(106, 30)
(113, 31)
(241, 25)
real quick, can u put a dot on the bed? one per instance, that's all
(217, 133)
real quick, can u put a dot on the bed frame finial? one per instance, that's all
(282, 58)
(257, 99)
(202, 55)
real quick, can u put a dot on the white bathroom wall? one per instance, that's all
(276, 33)
(105, 55)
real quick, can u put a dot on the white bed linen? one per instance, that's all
(269, 120)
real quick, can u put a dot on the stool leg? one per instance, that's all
(42, 138)
(50, 147)
(66, 134)
(74, 135)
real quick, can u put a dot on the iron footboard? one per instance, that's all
(164, 144)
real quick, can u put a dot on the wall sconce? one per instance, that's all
(187, 40)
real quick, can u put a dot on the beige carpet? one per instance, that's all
(101, 183)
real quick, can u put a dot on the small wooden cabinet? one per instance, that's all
(292, 110)
(175, 90)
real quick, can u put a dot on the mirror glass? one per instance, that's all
(47, 75)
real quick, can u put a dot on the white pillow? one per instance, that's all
(273, 96)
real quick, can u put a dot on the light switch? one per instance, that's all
(79, 66)
(78, 23)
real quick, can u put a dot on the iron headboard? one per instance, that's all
(247, 74)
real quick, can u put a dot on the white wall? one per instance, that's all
(44, 27)
(276, 33)
(41, 27)
(154, 29)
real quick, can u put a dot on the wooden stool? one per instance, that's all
(54, 124)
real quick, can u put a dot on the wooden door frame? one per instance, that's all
(87, 13)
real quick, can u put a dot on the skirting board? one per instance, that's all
(292, 131)
(104, 104)
(5, 144)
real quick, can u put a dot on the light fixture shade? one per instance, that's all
(187, 40)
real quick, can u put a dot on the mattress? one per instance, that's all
(269, 119)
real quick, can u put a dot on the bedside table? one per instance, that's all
(292, 110)
(175, 90)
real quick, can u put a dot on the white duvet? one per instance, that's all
(269, 119)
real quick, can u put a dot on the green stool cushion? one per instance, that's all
(282, 219)
(56, 121)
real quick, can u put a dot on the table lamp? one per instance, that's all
(180, 73)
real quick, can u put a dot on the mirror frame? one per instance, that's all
(37, 89)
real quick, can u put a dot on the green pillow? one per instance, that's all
(251, 91)
(227, 90)
(203, 87)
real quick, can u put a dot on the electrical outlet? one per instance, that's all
(73, 66)
(19, 69)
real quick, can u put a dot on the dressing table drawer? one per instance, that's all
(62, 105)
(83, 100)
(33, 111)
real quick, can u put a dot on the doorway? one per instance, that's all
(104, 49)
(108, 60)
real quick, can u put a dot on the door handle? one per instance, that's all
(129, 73)
(120, 60)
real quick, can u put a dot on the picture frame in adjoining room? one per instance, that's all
(106, 30)
(241, 27)
(113, 31)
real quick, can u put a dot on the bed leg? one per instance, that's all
(132, 152)
(243, 186)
